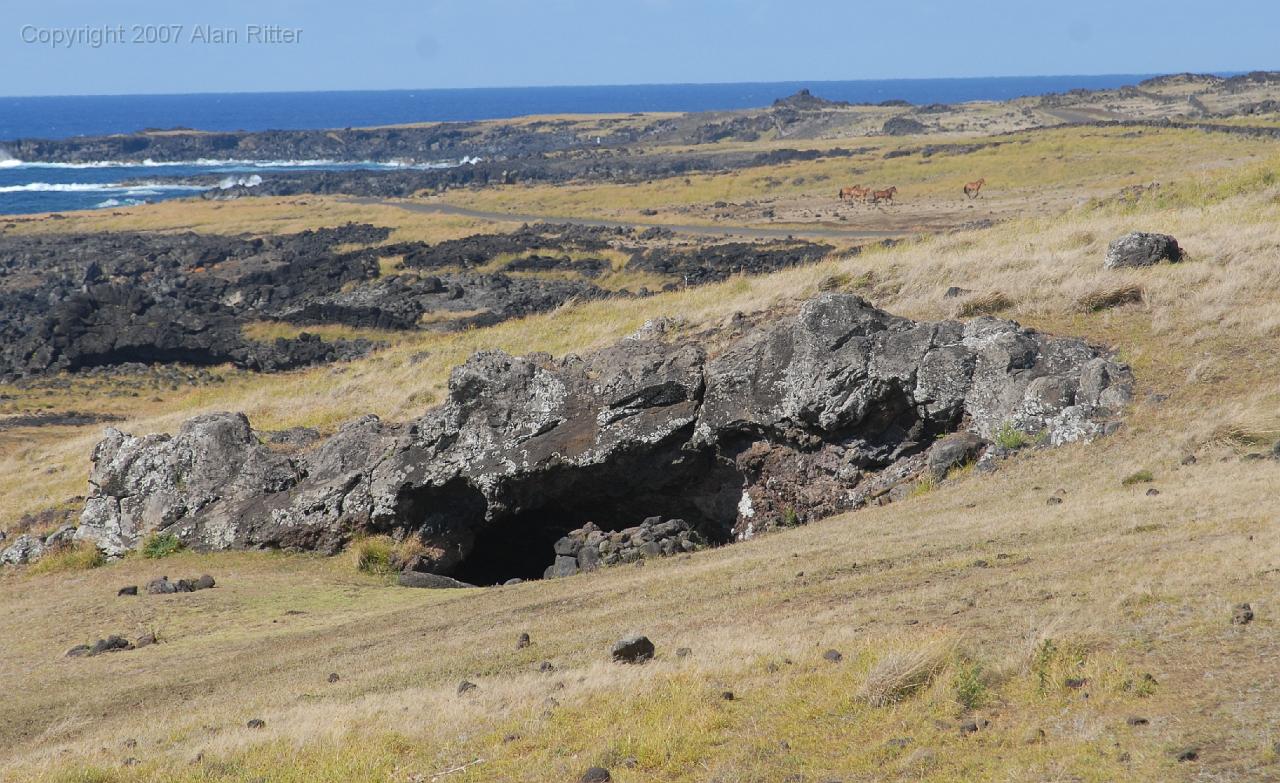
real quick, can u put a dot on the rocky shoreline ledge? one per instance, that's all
(760, 423)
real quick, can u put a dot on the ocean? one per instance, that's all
(31, 187)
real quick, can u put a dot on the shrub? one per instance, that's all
(160, 545)
(789, 517)
(75, 557)
(1139, 477)
(1010, 437)
(970, 686)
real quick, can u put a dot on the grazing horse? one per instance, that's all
(884, 195)
(971, 188)
(856, 192)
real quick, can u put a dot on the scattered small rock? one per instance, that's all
(727, 695)
(683, 652)
(1241, 614)
(899, 742)
(256, 723)
(835, 656)
(1190, 459)
(1135, 720)
(546, 667)
(523, 641)
(466, 687)
(1152, 492)
(1187, 754)
(1054, 500)
(1075, 683)
(333, 677)
(145, 640)
(130, 590)
(633, 649)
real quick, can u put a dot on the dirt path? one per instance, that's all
(697, 230)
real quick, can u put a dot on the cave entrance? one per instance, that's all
(697, 488)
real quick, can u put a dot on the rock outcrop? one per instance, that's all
(781, 421)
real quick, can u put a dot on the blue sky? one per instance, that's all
(390, 44)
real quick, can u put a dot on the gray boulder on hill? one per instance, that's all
(1137, 249)
(797, 417)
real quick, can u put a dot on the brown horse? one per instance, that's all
(884, 195)
(856, 192)
(971, 188)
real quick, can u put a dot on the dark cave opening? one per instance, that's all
(697, 488)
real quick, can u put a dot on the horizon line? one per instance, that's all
(1218, 73)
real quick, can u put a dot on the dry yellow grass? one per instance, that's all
(1066, 619)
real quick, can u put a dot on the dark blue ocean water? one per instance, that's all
(26, 188)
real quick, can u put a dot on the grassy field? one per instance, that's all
(1089, 640)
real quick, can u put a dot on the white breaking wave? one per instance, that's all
(116, 202)
(248, 182)
(152, 188)
(215, 163)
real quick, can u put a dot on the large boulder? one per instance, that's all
(797, 416)
(1138, 249)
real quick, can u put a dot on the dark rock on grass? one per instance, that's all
(1135, 720)
(727, 695)
(333, 677)
(954, 451)
(1186, 754)
(1140, 249)
(466, 687)
(130, 590)
(163, 586)
(834, 656)
(683, 652)
(973, 726)
(956, 292)
(1075, 683)
(110, 644)
(633, 649)
(1241, 614)
(429, 581)
(256, 723)
(523, 641)
(596, 775)
(145, 640)
(80, 651)
(546, 667)
(1053, 500)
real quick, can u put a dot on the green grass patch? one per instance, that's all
(76, 557)
(160, 545)
(1138, 477)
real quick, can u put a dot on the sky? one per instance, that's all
(46, 46)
